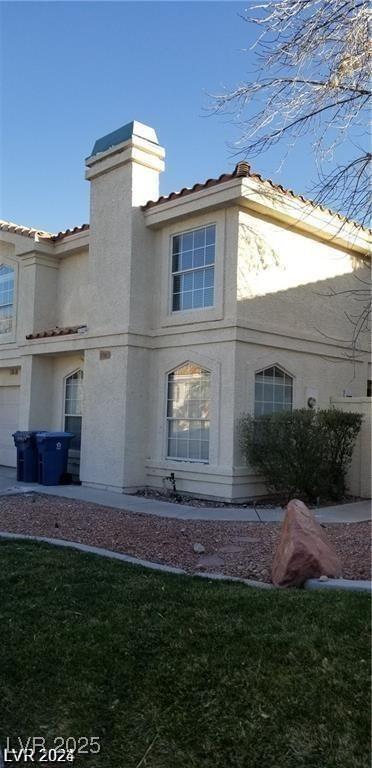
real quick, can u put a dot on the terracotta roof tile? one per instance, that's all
(68, 232)
(19, 229)
(67, 331)
(243, 169)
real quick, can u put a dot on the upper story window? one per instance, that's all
(6, 298)
(73, 410)
(193, 257)
(273, 391)
(188, 413)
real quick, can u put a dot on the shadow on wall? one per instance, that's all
(299, 282)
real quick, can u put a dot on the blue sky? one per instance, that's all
(74, 71)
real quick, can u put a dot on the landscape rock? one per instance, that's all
(303, 551)
(198, 548)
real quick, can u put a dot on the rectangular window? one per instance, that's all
(193, 257)
(6, 298)
(188, 413)
(74, 407)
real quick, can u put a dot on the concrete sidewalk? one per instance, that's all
(341, 513)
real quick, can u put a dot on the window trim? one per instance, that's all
(10, 335)
(74, 451)
(178, 233)
(267, 367)
(165, 317)
(168, 419)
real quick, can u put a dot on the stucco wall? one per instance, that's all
(284, 277)
(73, 290)
(360, 472)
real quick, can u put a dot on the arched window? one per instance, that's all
(6, 298)
(188, 406)
(273, 391)
(74, 407)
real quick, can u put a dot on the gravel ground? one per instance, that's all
(235, 549)
(265, 502)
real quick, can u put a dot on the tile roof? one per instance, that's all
(243, 169)
(18, 229)
(67, 331)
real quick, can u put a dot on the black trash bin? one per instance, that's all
(27, 465)
(52, 450)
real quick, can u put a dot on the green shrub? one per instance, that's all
(302, 453)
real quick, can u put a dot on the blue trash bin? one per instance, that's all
(52, 450)
(27, 466)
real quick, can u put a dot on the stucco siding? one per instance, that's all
(284, 278)
(73, 291)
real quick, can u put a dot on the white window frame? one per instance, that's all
(271, 380)
(9, 335)
(171, 419)
(193, 270)
(74, 415)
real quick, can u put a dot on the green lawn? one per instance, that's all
(196, 674)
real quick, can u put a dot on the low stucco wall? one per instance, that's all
(360, 473)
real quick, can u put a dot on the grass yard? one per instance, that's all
(178, 672)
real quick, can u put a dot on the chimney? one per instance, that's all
(124, 170)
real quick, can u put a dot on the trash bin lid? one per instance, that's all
(57, 434)
(22, 435)
(40, 436)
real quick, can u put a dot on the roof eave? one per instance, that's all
(265, 199)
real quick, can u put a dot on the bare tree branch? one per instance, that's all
(312, 77)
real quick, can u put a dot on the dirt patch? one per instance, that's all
(246, 549)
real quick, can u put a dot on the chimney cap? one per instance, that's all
(125, 133)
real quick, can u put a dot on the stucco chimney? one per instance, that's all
(124, 170)
(136, 147)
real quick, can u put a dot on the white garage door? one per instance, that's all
(9, 401)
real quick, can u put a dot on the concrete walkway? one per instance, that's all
(341, 513)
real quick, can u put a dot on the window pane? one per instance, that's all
(288, 394)
(269, 373)
(198, 279)
(278, 373)
(172, 447)
(73, 424)
(187, 300)
(204, 450)
(272, 392)
(258, 390)
(188, 413)
(6, 298)
(198, 260)
(186, 260)
(194, 449)
(210, 234)
(208, 297)
(209, 254)
(208, 277)
(176, 262)
(198, 299)
(187, 241)
(176, 244)
(187, 282)
(189, 255)
(199, 238)
(182, 449)
(268, 392)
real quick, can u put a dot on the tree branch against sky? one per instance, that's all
(312, 79)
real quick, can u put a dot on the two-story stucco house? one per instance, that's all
(149, 331)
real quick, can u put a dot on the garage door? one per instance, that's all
(9, 401)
